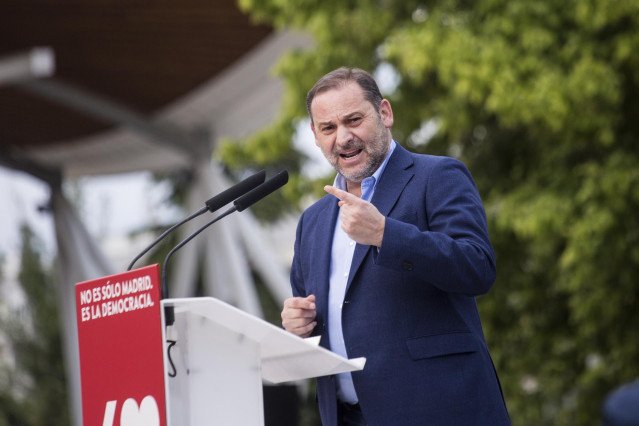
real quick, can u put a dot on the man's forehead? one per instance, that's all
(342, 100)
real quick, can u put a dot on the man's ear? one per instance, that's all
(386, 113)
(313, 130)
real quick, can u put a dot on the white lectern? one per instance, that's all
(222, 354)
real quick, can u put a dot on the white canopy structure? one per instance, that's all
(234, 103)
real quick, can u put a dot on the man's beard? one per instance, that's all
(376, 148)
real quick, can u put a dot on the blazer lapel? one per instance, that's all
(387, 191)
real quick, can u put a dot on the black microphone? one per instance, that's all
(240, 204)
(225, 197)
(211, 205)
(261, 191)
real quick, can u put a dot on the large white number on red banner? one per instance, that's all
(147, 414)
(109, 413)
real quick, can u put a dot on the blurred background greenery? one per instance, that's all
(540, 99)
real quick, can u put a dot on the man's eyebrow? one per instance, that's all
(353, 114)
(347, 117)
(324, 123)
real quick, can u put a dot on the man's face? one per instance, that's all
(350, 133)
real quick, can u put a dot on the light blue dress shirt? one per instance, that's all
(341, 259)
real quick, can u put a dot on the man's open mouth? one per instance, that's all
(350, 154)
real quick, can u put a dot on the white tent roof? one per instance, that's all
(235, 103)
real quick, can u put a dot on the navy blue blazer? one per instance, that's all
(410, 306)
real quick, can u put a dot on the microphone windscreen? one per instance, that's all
(261, 191)
(225, 197)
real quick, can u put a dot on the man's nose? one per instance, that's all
(344, 135)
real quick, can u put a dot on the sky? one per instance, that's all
(110, 205)
(20, 196)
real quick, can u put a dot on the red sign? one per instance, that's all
(121, 349)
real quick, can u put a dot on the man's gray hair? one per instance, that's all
(342, 76)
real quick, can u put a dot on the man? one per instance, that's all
(387, 267)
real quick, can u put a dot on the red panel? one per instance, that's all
(121, 349)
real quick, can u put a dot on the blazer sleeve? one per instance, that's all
(454, 253)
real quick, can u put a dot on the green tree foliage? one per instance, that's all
(540, 99)
(36, 390)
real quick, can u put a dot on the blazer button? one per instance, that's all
(407, 266)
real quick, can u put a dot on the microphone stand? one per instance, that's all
(165, 290)
(169, 314)
(212, 205)
(164, 234)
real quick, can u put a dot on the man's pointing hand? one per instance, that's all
(360, 219)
